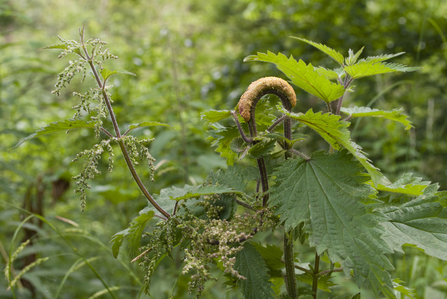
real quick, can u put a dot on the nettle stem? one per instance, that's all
(117, 130)
(247, 106)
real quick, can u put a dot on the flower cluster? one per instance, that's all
(138, 151)
(66, 76)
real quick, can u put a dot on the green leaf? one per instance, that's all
(149, 124)
(395, 114)
(106, 73)
(329, 191)
(249, 263)
(421, 222)
(325, 49)
(261, 149)
(132, 233)
(324, 282)
(222, 137)
(335, 132)
(370, 68)
(381, 58)
(302, 75)
(58, 46)
(68, 124)
(271, 254)
(353, 57)
(403, 289)
(188, 192)
(212, 116)
(330, 74)
(407, 184)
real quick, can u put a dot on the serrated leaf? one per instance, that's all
(382, 57)
(329, 191)
(353, 57)
(302, 75)
(212, 116)
(249, 263)
(335, 132)
(188, 192)
(395, 114)
(149, 124)
(58, 46)
(421, 222)
(54, 127)
(222, 137)
(407, 184)
(325, 49)
(324, 283)
(330, 74)
(132, 233)
(371, 67)
(261, 149)
(271, 254)
(409, 292)
(106, 73)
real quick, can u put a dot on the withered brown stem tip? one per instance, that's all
(261, 87)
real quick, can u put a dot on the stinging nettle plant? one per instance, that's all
(334, 201)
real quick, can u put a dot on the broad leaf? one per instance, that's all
(329, 191)
(395, 114)
(421, 222)
(324, 282)
(407, 184)
(272, 255)
(68, 124)
(261, 149)
(302, 75)
(249, 263)
(370, 68)
(325, 49)
(212, 116)
(335, 132)
(106, 73)
(149, 124)
(132, 234)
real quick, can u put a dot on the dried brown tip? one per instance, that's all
(263, 86)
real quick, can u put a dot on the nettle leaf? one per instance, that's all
(106, 73)
(272, 255)
(188, 192)
(353, 57)
(324, 283)
(213, 116)
(250, 264)
(407, 184)
(395, 114)
(62, 47)
(149, 124)
(302, 75)
(335, 132)
(132, 233)
(329, 190)
(371, 67)
(222, 137)
(325, 49)
(380, 58)
(68, 124)
(261, 149)
(409, 292)
(421, 222)
(330, 74)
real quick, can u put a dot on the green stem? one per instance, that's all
(290, 267)
(316, 276)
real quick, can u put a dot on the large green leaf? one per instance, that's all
(68, 124)
(372, 67)
(249, 263)
(335, 132)
(302, 75)
(329, 191)
(212, 116)
(132, 233)
(272, 255)
(395, 114)
(421, 222)
(325, 49)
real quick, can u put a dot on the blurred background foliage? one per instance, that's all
(188, 55)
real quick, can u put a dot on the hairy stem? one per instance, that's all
(118, 133)
(290, 267)
(315, 275)
(340, 100)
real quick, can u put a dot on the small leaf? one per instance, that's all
(353, 57)
(302, 75)
(370, 68)
(149, 124)
(212, 116)
(187, 192)
(261, 149)
(325, 49)
(409, 292)
(106, 73)
(381, 58)
(68, 124)
(407, 184)
(395, 114)
(330, 74)
(58, 46)
(222, 137)
(271, 254)
(135, 230)
(249, 263)
(117, 241)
